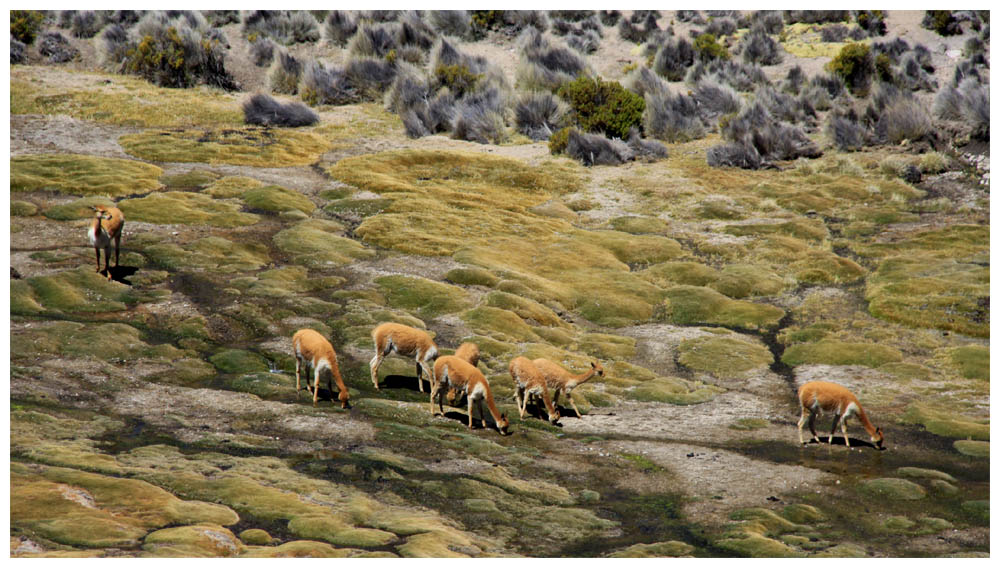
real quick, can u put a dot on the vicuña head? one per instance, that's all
(819, 396)
(454, 372)
(559, 380)
(530, 382)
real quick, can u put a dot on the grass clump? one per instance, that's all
(828, 352)
(640, 225)
(723, 356)
(893, 488)
(75, 291)
(930, 293)
(246, 146)
(527, 309)
(214, 254)
(105, 342)
(694, 305)
(185, 208)
(274, 198)
(424, 298)
(973, 448)
(78, 174)
(946, 422)
(472, 277)
(499, 324)
(673, 391)
(973, 361)
(603, 106)
(238, 361)
(231, 186)
(19, 208)
(317, 243)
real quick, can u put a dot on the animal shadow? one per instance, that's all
(404, 382)
(839, 441)
(325, 395)
(121, 273)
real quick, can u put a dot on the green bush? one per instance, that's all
(24, 25)
(709, 49)
(483, 20)
(170, 59)
(458, 78)
(559, 141)
(603, 106)
(855, 64)
(941, 21)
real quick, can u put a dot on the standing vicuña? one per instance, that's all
(314, 351)
(405, 341)
(829, 397)
(470, 352)
(530, 382)
(453, 372)
(560, 380)
(107, 225)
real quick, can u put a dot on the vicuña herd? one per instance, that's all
(454, 376)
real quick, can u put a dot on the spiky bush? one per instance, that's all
(911, 75)
(538, 115)
(479, 117)
(754, 127)
(855, 64)
(262, 52)
(114, 46)
(518, 20)
(648, 150)
(969, 103)
(693, 16)
(597, 150)
(816, 16)
(264, 110)
(894, 48)
(338, 27)
(373, 41)
(942, 22)
(378, 16)
(610, 17)
(286, 71)
(56, 47)
(793, 80)
(543, 66)
(833, 34)
(733, 155)
(282, 26)
(742, 77)
(631, 32)
(585, 41)
(783, 106)
(456, 23)
(25, 25)
(321, 85)
(85, 24)
(673, 59)
(721, 27)
(412, 31)
(758, 47)
(671, 117)
(219, 18)
(172, 51)
(603, 106)
(571, 15)
(847, 134)
(17, 51)
(905, 119)
(770, 20)
(715, 99)
(872, 21)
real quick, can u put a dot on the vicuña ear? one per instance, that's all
(593, 365)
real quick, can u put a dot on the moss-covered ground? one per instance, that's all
(155, 415)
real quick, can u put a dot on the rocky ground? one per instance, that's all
(156, 414)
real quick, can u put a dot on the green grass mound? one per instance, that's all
(668, 549)
(201, 541)
(117, 99)
(238, 361)
(472, 277)
(928, 293)
(277, 199)
(723, 356)
(973, 448)
(231, 186)
(973, 361)
(695, 305)
(806, 229)
(840, 353)
(214, 254)
(640, 225)
(605, 346)
(528, 310)
(946, 422)
(178, 207)
(243, 146)
(962, 243)
(424, 298)
(78, 209)
(673, 391)
(106, 341)
(77, 174)
(894, 489)
(74, 291)
(19, 208)
(193, 179)
(667, 274)
(500, 325)
(316, 243)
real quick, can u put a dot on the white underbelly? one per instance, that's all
(98, 239)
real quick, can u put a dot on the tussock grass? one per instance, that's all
(316, 243)
(118, 99)
(246, 146)
(78, 174)
(424, 298)
(185, 208)
(693, 305)
(277, 199)
(830, 352)
(73, 291)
